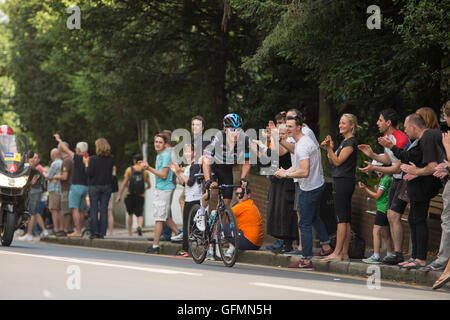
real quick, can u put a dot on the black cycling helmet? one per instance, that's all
(232, 120)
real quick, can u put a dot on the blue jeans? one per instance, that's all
(99, 198)
(309, 217)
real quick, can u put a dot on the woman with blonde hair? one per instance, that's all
(99, 169)
(430, 117)
(343, 162)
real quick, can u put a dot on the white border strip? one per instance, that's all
(314, 291)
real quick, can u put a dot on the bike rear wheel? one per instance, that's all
(198, 245)
(228, 237)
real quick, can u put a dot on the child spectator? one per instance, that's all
(193, 190)
(381, 225)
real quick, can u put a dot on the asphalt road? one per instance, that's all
(43, 271)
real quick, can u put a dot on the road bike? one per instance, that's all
(221, 229)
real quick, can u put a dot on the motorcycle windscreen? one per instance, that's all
(12, 152)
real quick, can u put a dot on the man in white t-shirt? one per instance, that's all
(307, 167)
(289, 144)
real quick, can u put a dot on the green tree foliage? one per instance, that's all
(167, 60)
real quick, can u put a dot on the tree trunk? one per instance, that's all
(218, 81)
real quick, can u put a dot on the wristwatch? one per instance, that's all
(447, 167)
(287, 174)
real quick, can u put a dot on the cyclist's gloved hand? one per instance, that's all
(208, 183)
(244, 182)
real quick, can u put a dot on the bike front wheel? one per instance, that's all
(228, 237)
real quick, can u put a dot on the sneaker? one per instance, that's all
(229, 252)
(323, 253)
(434, 266)
(393, 259)
(283, 249)
(277, 244)
(295, 252)
(139, 231)
(372, 260)
(44, 233)
(150, 249)
(26, 237)
(200, 221)
(210, 254)
(60, 234)
(302, 264)
(182, 254)
(178, 237)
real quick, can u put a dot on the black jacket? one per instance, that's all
(421, 188)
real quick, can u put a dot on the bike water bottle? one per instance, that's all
(211, 217)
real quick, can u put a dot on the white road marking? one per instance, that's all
(315, 291)
(101, 264)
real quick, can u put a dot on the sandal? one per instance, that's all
(441, 281)
(330, 259)
(401, 264)
(416, 266)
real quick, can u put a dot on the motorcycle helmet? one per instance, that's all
(6, 130)
(232, 120)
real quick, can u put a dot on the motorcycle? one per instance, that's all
(16, 177)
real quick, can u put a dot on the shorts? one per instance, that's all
(41, 207)
(65, 203)
(342, 196)
(224, 174)
(34, 200)
(135, 204)
(161, 204)
(77, 197)
(394, 203)
(182, 196)
(296, 198)
(381, 219)
(54, 201)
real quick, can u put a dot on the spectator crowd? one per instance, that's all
(78, 190)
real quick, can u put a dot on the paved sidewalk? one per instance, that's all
(121, 241)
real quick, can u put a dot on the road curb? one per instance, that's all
(353, 268)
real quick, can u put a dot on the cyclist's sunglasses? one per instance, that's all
(234, 129)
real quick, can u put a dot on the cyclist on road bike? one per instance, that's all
(228, 147)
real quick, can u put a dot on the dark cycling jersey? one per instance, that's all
(219, 151)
